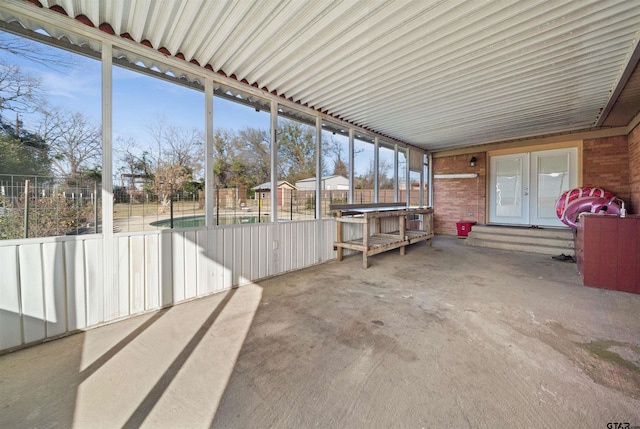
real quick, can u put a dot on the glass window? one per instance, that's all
(335, 166)
(50, 139)
(159, 147)
(386, 173)
(426, 179)
(296, 191)
(402, 175)
(364, 168)
(241, 158)
(414, 188)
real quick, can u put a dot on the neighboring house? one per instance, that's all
(285, 189)
(328, 183)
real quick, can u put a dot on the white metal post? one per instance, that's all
(108, 272)
(209, 186)
(318, 168)
(421, 194)
(430, 161)
(319, 186)
(407, 173)
(274, 161)
(351, 166)
(396, 169)
(376, 165)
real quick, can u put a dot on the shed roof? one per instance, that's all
(267, 186)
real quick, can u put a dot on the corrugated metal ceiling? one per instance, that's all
(435, 74)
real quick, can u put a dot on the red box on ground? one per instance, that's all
(464, 228)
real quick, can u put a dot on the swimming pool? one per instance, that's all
(197, 221)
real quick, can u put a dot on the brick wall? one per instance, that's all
(606, 165)
(454, 199)
(634, 170)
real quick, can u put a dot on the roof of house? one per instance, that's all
(313, 179)
(266, 186)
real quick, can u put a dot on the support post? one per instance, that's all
(26, 209)
(339, 234)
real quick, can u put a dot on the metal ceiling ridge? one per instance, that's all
(569, 84)
(406, 80)
(348, 60)
(337, 42)
(470, 47)
(456, 86)
(406, 96)
(26, 9)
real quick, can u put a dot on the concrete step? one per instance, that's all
(519, 247)
(563, 233)
(524, 239)
(547, 241)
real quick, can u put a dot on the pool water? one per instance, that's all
(198, 221)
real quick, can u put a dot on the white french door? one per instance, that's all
(525, 187)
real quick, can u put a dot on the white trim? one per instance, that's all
(209, 186)
(456, 176)
(109, 274)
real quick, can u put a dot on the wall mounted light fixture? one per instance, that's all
(472, 161)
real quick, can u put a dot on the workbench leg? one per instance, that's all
(403, 231)
(365, 243)
(339, 236)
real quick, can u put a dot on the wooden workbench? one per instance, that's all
(372, 243)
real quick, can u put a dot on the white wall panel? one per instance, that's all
(255, 252)
(330, 230)
(237, 246)
(54, 288)
(31, 288)
(137, 273)
(190, 264)
(265, 251)
(10, 326)
(76, 284)
(121, 248)
(287, 248)
(56, 285)
(95, 290)
(111, 293)
(218, 258)
(204, 262)
(228, 257)
(245, 272)
(177, 265)
(166, 268)
(152, 271)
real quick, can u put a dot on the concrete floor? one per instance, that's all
(446, 336)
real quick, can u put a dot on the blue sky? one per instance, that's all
(139, 101)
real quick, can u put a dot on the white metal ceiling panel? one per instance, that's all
(435, 74)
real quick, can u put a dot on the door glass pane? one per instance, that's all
(553, 180)
(509, 188)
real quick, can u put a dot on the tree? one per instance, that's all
(180, 156)
(19, 91)
(168, 179)
(255, 154)
(334, 149)
(222, 157)
(74, 142)
(22, 152)
(296, 151)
